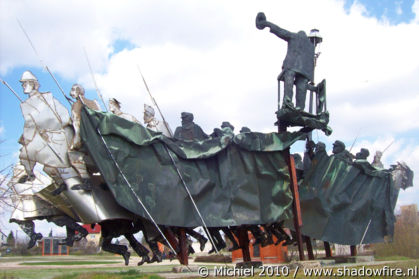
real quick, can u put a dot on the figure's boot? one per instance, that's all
(34, 238)
(157, 257)
(257, 233)
(69, 240)
(29, 228)
(126, 256)
(202, 239)
(116, 249)
(138, 248)
(77, 160)
(219, 242)
(84, 185)
(60, 189)
(214, 243)
(230, 236)
(268, 233)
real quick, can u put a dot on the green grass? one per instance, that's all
(130, 274)
(393, 258)
(70, 262)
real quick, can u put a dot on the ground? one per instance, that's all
(89, 267)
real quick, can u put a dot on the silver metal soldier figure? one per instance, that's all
(47, 138)
(377, 160)
(153, 124)
(47, 134)
(77, 158)
(115, 108)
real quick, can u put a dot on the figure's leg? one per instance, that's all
(115, 248)
(157, 256)
(285, 236)
(301, 91)
(56, 177)
(152, 243)
(216, 236)
(138, 248)
(77, 161)
(289, 77)
(202, 239)
(230, 236)
(26, 162)
(268, 232)
(260, 236)
(29, 228)
(71, 228)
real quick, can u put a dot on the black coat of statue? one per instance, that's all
(298, 66)
(189, 130)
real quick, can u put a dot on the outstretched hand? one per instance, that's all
(261, 21)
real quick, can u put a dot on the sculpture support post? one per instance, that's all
(310, 253)
(244, 244)
(183, 244)
(353, 250)
(296, 210)
(327, 249)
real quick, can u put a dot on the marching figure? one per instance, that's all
(153, 124)
(340, 152)
(189, 130)
(47, 135)
(77, 158)
(77, 92)
(377, 160)
(115, 108)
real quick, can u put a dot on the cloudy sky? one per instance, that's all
(208, 58)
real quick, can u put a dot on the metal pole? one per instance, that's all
(176, 167)
(11, 89)
(155, 103)
(94, 80)
(42, 62)
(130, 187)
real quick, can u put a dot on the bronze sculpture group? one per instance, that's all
(51, 137)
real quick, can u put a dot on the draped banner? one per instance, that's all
(234, 180)
(341, 202)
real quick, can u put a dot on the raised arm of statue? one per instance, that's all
(261, 23)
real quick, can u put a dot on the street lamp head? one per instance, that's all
(315, 37)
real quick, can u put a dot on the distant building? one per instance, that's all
(50, 247)
(94, 233)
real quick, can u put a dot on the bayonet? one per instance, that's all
(353, 143)
(154, 102)
(11, 89)
(42, 62)
(94, 80)
(388, 146)
(177, 168)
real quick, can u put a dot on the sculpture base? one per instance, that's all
(290, 116)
